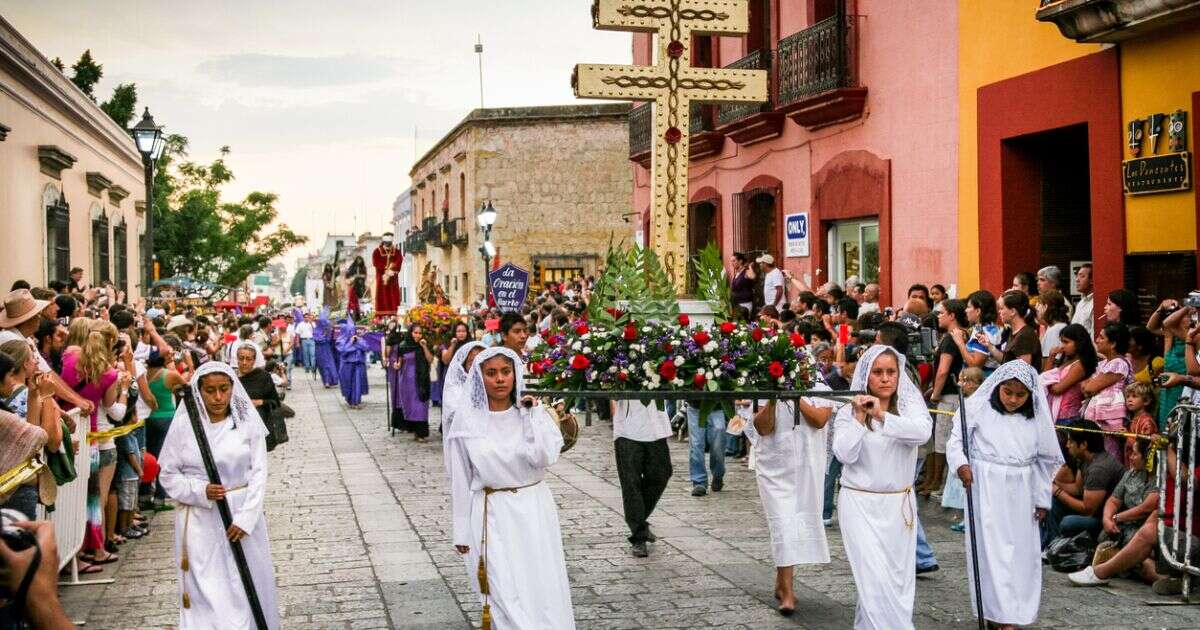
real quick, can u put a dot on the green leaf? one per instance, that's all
(712, 283)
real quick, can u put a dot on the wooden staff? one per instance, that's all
(962, 419)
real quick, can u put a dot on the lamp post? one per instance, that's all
(149, 139)
(486, 218)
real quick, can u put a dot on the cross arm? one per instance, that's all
(699, 16)
(626, 83)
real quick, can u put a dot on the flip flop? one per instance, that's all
(112, 557)
(88, 568)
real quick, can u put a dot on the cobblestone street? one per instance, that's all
(359, 527)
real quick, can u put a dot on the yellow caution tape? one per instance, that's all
(116, 432)
(19, 475)
(1157, 440)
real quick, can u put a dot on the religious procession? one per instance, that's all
(751, 314)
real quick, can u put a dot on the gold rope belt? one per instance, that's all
(184, 565)
(486, 621)
(115, 432)
(905, 509)
(19, 475)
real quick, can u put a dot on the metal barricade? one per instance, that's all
(70, 508)
(1176, 549)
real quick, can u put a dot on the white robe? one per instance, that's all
(1013, 460)
(527, 573)
(790, 469)
(212, 583)
(880, 545)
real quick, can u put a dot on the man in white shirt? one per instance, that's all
(870, 299)
(1083, 310)
(774, 286)
(308, 345)
(640, 433)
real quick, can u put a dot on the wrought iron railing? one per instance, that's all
(732, 112)
(429, 226)
(818, 59)
(415, 243)
(700, 117)
(639, 129)
(456, 231)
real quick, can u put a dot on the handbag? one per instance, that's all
(1108, 404)
(62, 462)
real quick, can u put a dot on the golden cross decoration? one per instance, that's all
(671, 85)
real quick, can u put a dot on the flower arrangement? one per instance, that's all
(437, 321)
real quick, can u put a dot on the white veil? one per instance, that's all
(456, 375)
(260, 361)
(909, 401)
(471, 411)
(241, 410)
(980, 403)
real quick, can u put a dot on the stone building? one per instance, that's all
(73, 192)
(402, 222)
(557, 176)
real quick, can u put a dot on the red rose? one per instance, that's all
(701, 338)
(756, 334)
(667, 370)
(580, 362)
(538, 368)
(699, 380)
(630, 332)
(581, 330)
(683, 320)
(667, 347)
(727, 328)
(725, 358)
(622, 376)
(776, 369)
(553, 340)
(797, 340)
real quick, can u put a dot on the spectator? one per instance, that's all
(981, 314)
(870, 299)
(76, 284)
(1139, 405)
(1053, 315)
(163, 381)
(20, 321)
(1122, 307)
(922, 292)
(41, 605)
(1083, 310)
(1026, 283)
(937, 293)
(1081, 486)
(1022, 342)
(1049, 277)
(774, 286)
(1143, 359)
(1106, 387)
(1172, 321)
(741, 284)
(952, 321)
(1075, 361)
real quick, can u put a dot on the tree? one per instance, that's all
(198, 234)
(57, 62)
(298, 281)
(87, 73)
(122, 105)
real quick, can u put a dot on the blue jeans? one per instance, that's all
(712, 436)
(308, 349)
(832, 473)
(925, 557)
(289, 361)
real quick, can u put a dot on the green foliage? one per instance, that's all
(197, 233)
(122, 105)
(634, 284)
(57, 62)
(712, 283)
(298, 280)
(87, 73)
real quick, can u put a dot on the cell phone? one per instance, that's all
(843, 334)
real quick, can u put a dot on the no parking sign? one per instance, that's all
(796, 243)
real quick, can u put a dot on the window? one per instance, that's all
(759, 37)
(121, 256)
(58, 236)
(462, 195)
(854, 251)
(100, 251)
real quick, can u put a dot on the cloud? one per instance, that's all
(263, 70)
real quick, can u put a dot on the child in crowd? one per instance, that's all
(1139, 403)
(954, 496)
(128, 477)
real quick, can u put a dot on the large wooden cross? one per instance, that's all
(671, 85)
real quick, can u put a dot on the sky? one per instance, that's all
(324, 103)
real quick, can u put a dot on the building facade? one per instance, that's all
(848, 169)
(73, 193)
(402, 223)
(557, 177)
(1067, 151)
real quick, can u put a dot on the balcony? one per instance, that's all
(415, 243)
(456, 231)
(429, 228)
(747, 123)
(818, 74)
(640, 123)
(1090, 21)
(704, 140)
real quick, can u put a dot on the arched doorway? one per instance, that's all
(758, 223)
(702, 230)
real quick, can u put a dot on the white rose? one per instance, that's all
(741, 382)
(717, 372)
(612, 370)
(709, 375)
(577, 346)
(678, 360)
(710, 346)
(713, 362)
(677, 382)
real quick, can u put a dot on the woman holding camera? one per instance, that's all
(212, 595)
(876, 439)
(505, 520)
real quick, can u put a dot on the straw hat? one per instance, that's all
(19, 307)
(177, 321)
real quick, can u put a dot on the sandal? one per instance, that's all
(112, 557)
(87, 568)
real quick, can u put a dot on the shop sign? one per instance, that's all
(796, 245)
(1155, 173)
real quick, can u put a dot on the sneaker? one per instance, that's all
(929, 569)
(699, 490)
(959, 527)
(718, 484)
(1168, 586)
(1086, 577)
(639, 550)
(827, 522)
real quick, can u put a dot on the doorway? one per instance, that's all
(758, 224)
(702, 230)
(854, 250)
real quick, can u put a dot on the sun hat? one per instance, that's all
(177, 321)
(19, 307)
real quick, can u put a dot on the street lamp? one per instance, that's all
(150, 142)
(486, 218)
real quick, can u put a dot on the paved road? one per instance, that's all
(359, 527)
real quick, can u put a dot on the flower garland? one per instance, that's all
(435, 319)
(725, 357)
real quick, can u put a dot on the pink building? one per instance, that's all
(856, 150)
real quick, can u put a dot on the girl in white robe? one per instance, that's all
(211, 593)
(505, 520)
(790, 470)
(1014, 455)
(456, 390)
(876, 439)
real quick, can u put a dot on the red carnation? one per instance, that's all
(553, 340)
(727, 328)
(581, 330)
(622, 376)
(580, 362)
(667, 370)
(683, 319)
(667, 347)
(776, 369)
(701, 338)
(699, 380)
(797, 340)
(756, 334)
(538, 368)
(630, 332)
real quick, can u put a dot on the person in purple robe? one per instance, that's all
(326, 354)
(352, 375)
(408, 359)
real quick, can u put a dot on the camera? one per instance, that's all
(1192, 299)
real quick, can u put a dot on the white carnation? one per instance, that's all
(678, 360)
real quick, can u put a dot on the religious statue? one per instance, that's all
(356, 287)
(387, 261)
(329, 286)
(431, 292)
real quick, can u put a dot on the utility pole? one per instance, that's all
(479, 52)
